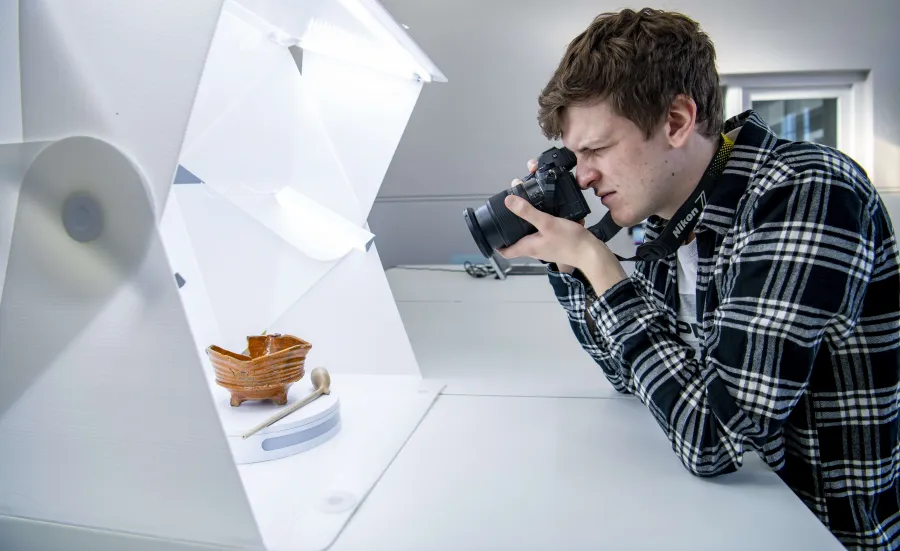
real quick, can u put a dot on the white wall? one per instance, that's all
(469, 137)
(893, 205)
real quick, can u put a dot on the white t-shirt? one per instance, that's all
(688, 328)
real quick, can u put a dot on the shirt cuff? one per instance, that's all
(562, 281)
(617, 309)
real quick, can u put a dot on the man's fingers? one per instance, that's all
(522, 248)
(532, 166)
(523, 209)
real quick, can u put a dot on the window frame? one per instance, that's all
(851, 89)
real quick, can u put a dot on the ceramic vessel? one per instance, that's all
(267, 369)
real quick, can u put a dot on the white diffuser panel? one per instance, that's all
(185, 263)
(10, 89)
(382, 107)
(105, 415)
(14, 162)
(127, 71)
(252, 275)
(258, 127)
(353, 319)
(111, 423)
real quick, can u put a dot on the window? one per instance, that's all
(806, 119)
(832, 108)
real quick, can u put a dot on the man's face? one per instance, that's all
(629, 173)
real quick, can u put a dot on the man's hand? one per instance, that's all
(564, 242)
(561, 267)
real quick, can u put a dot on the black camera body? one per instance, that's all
(552, 188)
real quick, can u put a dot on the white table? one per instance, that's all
(513, 441)
(552, 467)
(440, 283)
(505, 473)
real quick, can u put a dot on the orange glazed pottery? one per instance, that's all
(274, 363)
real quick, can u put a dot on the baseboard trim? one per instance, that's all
(444, 198)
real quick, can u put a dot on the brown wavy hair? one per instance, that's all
(639, 62)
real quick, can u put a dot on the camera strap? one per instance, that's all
(684, 221)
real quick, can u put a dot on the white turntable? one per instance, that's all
(310, 426)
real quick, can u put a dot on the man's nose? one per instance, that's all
(586, 177)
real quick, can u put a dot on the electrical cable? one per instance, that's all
(477, 271)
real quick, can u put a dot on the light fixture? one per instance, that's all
(360, 32)
(373, 51)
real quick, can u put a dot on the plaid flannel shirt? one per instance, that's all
(798, 302)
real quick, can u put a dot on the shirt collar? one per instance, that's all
(752, 147)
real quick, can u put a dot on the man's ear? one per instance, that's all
(680, 120)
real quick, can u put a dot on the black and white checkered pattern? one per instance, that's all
(798, 297)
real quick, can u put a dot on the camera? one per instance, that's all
(551, 188)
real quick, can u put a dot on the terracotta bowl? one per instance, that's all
(266, 370)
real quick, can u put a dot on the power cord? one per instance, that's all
(477, 271)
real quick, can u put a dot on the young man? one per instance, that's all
(790, 275)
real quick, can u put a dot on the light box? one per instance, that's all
(176, 175)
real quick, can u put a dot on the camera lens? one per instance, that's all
(552, 189)
(477, 234)
(494, 226)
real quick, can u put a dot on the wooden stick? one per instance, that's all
(285, 412)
